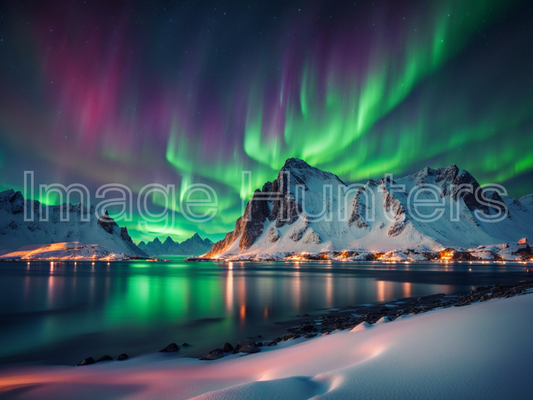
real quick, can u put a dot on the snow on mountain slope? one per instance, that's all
(15, 232)
(527, 202)
(284, 217)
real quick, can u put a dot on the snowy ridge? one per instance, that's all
(375, 218)
(103, 232)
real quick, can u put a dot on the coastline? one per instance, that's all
(326, 321)
(483, 254)
(351, 317)
(436, 354)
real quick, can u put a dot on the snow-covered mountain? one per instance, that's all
(376, 217)
(16, 233)
(195, 245)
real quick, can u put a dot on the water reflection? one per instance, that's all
(229, 291)
(406, 286)
(296, 289)
(242, 313)
(50, 292)
(127, 307)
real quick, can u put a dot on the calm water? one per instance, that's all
(62, 313)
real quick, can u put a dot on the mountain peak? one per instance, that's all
(169, 240)
(302, 172)
(294, 163)
(191, 246)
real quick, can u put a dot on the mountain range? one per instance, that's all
(195, 245)
(83, 234)
(376, 219)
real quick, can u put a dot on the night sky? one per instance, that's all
(195, 92)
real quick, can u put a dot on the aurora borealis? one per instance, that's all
(174, 93)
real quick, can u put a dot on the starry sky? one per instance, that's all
(186, 92)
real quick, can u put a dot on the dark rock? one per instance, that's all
(105, 357)
(214, 355)
(259, 344)
(246, 346)
(87, 361)
(17, 203)
(107, 223)
(170, 348)
(524, 251)
(485, 293)
(275, 202)
(289, 336)
(248, 227)
(185, 344)
(273, 234)
(227, 347)
(470, 197)
(273, 343)
(310, 335)
(359, 212)
(122, 357)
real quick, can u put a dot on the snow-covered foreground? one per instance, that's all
(479, 351)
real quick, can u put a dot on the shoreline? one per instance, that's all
(505, 252)
(350, 317)
(449, 352)
(382, 261)
(327, 321)
(339, 261)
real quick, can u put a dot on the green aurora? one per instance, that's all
(364, 90)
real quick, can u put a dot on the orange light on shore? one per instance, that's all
(345, 254)
(303, 256)
(447, 255)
